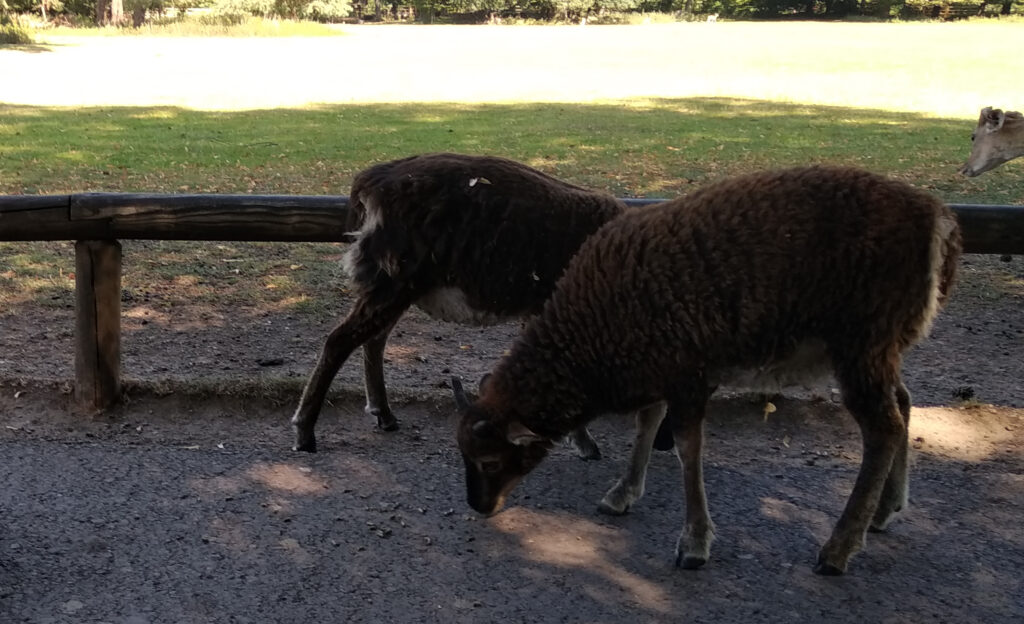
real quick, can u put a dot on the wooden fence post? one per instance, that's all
(97, 324)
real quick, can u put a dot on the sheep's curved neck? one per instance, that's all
(543, 397)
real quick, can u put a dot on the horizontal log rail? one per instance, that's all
(98, 221)
(308, 218)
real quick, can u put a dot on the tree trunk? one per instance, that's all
(101, 12)
(138, 16)
(116, 12)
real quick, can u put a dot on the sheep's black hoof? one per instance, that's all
(305, 442)
(589, 452)
(386, 421)
(827, 569)
(689, 562)
(608, 510)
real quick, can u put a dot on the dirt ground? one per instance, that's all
(177, 508)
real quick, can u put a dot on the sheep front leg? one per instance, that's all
(630, 487)
(365, 321)
(373, 381)
(694, 546)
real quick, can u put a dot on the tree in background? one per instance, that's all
(105, 12)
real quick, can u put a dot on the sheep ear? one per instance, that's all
(461, 401)
(520, 435)
(993, 119)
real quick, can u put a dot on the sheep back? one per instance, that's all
(738, 275)
(498, 232)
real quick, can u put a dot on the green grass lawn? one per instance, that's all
(770, 98)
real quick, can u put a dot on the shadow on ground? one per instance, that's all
(179, 510)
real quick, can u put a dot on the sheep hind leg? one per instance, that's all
(895, 494)
(868, 395)
(363, 322)
(628, 489)
(377, 405)
(581, 440)
(694, 546)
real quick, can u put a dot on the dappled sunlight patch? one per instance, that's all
(786, 512)
(295, 552)
(1012, 285)
(973, 433)
(402, 354)
(145, 313)
(229, 533)
(287, 478)
(296, 302)
(573, 542)
(186, 280)
(155, 113)
(218, 486)
(74, 156)
(367, 474)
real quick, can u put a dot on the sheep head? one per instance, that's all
(498, 452)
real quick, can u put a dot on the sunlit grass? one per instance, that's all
(636, 111)
(920, 68)
(202, 26)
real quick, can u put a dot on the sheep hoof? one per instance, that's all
(386, 421)
(305, 442)
(608, 510)
(827, 569)
(689, 562)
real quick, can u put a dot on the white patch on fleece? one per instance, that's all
(940, 233)
(372, 220)
(450, 304)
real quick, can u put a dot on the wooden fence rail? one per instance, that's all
(97, 221)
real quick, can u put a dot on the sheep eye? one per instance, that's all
(490, 466)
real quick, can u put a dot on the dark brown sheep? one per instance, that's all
(771, 275)
(468, 239)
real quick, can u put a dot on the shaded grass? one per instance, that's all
(647, 148)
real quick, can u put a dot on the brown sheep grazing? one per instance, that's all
(470, 239)
(777, 275)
